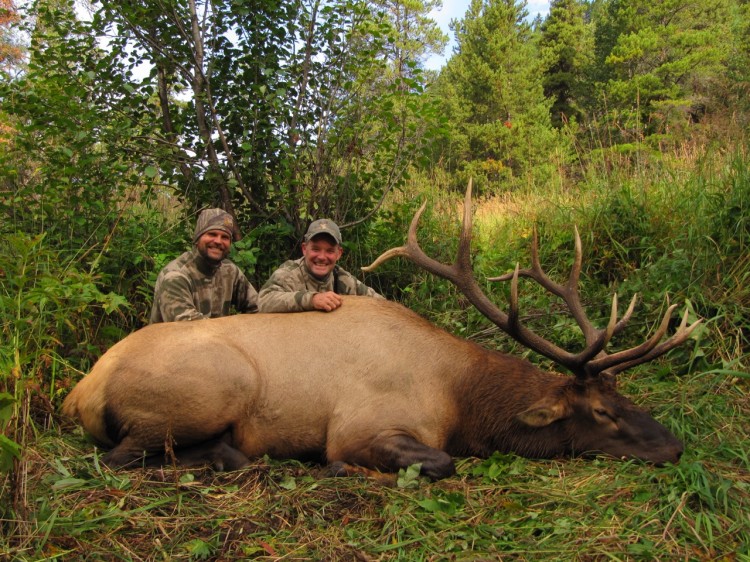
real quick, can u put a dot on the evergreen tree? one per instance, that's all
(415, 36)
(567, 48)
(657, 61)
(493, 95)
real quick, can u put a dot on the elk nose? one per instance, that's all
(679, 448)
(672, 456)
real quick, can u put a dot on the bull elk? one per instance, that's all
(370, 385)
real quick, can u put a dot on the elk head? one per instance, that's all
(585, 414)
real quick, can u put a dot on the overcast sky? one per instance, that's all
(455, 9)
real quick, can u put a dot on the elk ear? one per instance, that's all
(545, 411)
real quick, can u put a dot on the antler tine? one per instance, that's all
(625, 317)
(457, 273)
(567, 292)
(413, 251)
(596, 340)
(463, 255)
(461, 275)
(401, 251)
(647, 351)
(536, 272)
(592, 360)
(513, 313)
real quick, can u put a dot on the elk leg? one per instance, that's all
(393, 452)
(216, 452)
(125, 455)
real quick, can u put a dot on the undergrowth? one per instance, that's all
(677, 238)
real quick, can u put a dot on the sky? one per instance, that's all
(455, 9)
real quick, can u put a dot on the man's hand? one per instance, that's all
(327, 301)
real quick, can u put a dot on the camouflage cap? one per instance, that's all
(323, 226)
(215, 219)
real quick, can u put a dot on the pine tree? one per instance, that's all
(658, 60)
(567, 48)
(493, 94)
(415, 36)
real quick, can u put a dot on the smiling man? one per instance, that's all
(314, 281)
(203, 283)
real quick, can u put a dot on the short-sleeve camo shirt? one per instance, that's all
(291, 287)
(189, 288)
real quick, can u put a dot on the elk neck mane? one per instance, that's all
(489, 399)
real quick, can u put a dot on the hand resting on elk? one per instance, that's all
(385, 390)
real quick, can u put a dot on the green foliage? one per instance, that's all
(48, 306)
(500, 129)
(498, 467)
(9, 449)
(503, 506)
(566, 46)
(300, 110)
(199, 549)
(222, 109)
(446, 504)
(657, 61)
(739, 61)
(409, 477)
(619, 225)
(82, 176)
(292, 112)
(50, 313)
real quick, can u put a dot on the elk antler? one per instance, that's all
(589, 362)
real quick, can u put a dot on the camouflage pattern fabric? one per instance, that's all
(215, 219)
(189, 288)
(291, 287)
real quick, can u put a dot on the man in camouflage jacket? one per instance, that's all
(202, 283)
(314, 281)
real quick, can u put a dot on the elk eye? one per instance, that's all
(601, 412)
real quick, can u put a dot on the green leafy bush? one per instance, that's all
(50, 313)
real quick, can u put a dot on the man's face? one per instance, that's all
(321, 254)
(214, 245)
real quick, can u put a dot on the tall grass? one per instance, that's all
(666, 233)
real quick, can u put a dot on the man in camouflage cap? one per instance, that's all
(314, 281)
(202, 283)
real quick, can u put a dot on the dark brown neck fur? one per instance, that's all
(490, 398)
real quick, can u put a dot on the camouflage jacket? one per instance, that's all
(188, 288)
(291, 287)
